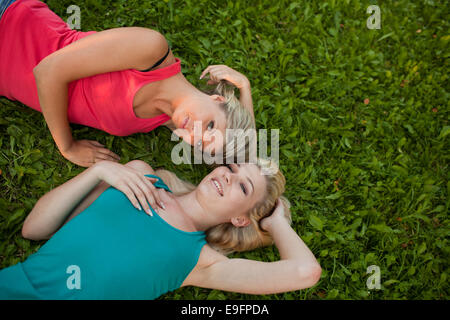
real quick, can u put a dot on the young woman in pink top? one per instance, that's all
(102, 80)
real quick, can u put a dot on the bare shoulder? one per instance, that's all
(208, 256)
(153, 43)
(105, 51)
(141, 166)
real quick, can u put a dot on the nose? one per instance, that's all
(227, 176)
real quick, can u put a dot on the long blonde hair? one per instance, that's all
(238, 117)
(227, 238)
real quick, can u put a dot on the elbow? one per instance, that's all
(315, 273)
(43, 69)
(29, 232)
(30, 235)
(38, 69)
(26, 232)
(309, 275)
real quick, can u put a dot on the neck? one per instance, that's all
(199, 218)
(172, 93)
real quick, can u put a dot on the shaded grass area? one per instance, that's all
(363, 119)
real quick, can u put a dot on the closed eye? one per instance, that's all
(243, 189)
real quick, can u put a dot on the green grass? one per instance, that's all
(311, 66)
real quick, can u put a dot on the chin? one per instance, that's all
(207, 191)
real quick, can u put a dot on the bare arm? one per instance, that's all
(53, 208)
(66, 201)
(297, 269)
(105, 51)
(138, 165)
(223, 72)
(246, 97)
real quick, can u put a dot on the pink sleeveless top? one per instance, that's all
(29, 31)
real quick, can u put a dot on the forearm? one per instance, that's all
(246, 97)
(290, 245)
(51, 211)
(297, 268)
(53, 99)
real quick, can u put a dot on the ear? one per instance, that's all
(241, 221)
(218, 98)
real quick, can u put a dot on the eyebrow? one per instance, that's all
(248, 179)
(251, 184)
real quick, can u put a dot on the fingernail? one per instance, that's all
(161, 204)
(150, 212)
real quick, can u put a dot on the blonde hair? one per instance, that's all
(226, 237)
(237, 117)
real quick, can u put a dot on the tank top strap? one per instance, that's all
(158, 62)
(160, 183)
(158, 74)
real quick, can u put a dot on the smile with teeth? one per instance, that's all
(218, 186)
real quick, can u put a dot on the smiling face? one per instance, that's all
(231, 191)
(205, 113)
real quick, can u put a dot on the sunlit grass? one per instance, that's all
(363, 119)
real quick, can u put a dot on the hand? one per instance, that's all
(136, 186)
(87, 152)
(276, 216)
(223, 72)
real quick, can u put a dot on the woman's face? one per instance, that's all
(207, 117)
(231, 191)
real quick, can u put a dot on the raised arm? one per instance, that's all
(101, 52)
(297, 269)
(223, 72)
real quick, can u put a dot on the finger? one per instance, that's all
(102, 156)
(96, 143)
(142, 196)
(130, 195)
(155, 193)
(216, 68)
(205, 71)
(149, 191)
(217, 76)
(213, 78)
(108, 152)
(221, 75)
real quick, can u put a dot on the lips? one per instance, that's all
(218, 186)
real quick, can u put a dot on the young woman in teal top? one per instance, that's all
(104, 246)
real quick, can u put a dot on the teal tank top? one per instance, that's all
(111, 250)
